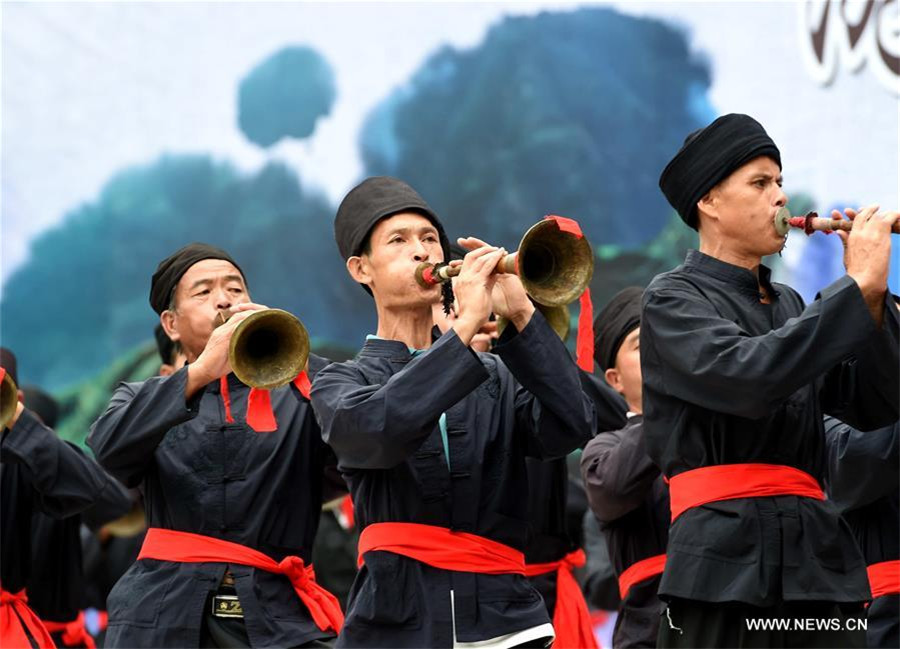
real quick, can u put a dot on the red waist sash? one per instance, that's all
(884, 578)
(729, 481)
(184, 547)
(442, 548)
(75, 634)
(571, 618)
(639, 571)
(15, 617)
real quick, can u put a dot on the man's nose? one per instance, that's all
(420, 253)
(782, 198)
(223, 300)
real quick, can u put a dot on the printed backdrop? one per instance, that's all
(131, 129)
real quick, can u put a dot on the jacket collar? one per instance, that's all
(393, 349)
(737, 276)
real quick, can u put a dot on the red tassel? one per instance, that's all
(584, 343)
(302, 383)
(2, 374)
(347, 513)
(566, 225)
(259, 411)
(226, 399)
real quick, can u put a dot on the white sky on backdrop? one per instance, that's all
(88, 89)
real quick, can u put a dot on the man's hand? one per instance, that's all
(213, 360)
(472, 289)
(867, 253)
(508, 296)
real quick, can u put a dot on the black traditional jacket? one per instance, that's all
(380, 413)
(57, 590)
(864, 482)
(551, 508)
(39, 473)
(627, 494)
(202, 475)
(729, 379)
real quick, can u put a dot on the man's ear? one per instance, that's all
(166, 370)
(709, 204)
(359, 270)
(167, 320)
(612, 377)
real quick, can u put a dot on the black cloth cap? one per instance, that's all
(8, 362)
(172, 268)
(709, 155)
(372, 200)
(619, 317)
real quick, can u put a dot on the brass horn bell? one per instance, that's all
(555, 266)
(9, 397)
(269, 348)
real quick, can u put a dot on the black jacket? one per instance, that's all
(380, 413)
(39, 473)
(627, 494)
(556, 511)
(730, 380)
(864, 482)
(202, 475)
(57, 590)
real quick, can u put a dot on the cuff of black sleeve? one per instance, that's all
(27, 435)
(512, 340)
(847, 291)
(453, 352)
(177, 383)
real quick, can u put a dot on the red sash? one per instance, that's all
(571, 619)
(15, 617)
(639, 571)
(184, 547)
(884, 578)
(442, 548)
(729, 481)
(75, 634)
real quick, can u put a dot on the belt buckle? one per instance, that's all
(227, 606)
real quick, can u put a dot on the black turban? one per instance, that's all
(708, 156)
(171, 269)
(372, 200)
(619, 317)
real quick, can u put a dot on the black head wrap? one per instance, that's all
(8, 362)
(172, 268)
(619, 317)
(372, 200)
(709, 155)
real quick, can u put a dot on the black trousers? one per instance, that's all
(689, 623)
(884, 622)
